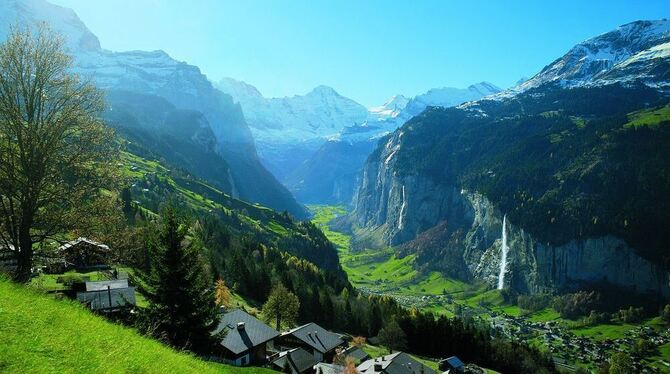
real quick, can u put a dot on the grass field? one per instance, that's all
(379, 269)
(44, 335)
(648, 117)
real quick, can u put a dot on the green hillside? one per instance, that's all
(43, 335)
(153, 182)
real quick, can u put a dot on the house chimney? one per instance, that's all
(378, 368)
(240, 326)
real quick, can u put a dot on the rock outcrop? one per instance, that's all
(471, 235)
(458, 232)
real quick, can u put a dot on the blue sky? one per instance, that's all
(368, 50)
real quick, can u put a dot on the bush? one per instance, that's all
(665, 314)
(576, 305)
(533, 303)
(631, 315)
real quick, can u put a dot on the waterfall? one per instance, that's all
(503, 255)
(402, 208)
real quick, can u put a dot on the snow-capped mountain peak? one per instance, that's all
(323, 90)
(589, 61)
(62, 20)
(391, 108)
(238, 89)
(484, 88)
(318, 114)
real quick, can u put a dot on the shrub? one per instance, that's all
(533, 303)
(578, 304)
(631, 315)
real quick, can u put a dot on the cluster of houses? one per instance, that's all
(243, 339)
(82, 255)
(246, 340)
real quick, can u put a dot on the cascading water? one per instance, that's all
(503, 255)
(402, 209)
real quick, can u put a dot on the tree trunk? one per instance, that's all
(24, 255)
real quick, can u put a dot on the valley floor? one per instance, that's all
(379, 271)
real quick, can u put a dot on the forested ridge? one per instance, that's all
(564, 164)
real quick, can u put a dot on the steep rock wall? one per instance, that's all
(393, 210)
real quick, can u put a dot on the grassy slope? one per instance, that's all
(40, 334)
(649, 117)
(382, 271)
(152, 183)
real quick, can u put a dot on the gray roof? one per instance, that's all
(299, 359)
(323, 368)
(80, 240)
(356, 353)
(237, 340)
(396, 363)
(100, 299)
(454, 362)
(103, 285)
(316, 337)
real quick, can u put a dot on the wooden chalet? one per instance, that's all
(245, 338)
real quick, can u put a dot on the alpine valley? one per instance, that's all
(472, 229)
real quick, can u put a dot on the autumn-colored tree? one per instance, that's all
(358, 341)
(350, 367)
(222, 294)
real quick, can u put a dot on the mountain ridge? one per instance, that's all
(156, 73)
(547, 157)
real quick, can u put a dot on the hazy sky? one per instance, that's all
(366, 49)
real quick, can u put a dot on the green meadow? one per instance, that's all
(43, 335)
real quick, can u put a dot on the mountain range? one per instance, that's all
(574, 160)
(317, 143)
(152, 76)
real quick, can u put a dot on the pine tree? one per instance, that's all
(182, 309)
(281, 307)
(393, 337)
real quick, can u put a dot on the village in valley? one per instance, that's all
(161, 216)
(244, 340)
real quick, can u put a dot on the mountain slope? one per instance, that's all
(41, 334)
(320, 113)
(601, 59)
(330, 174)
(157, 74)
(579, 170)
(153, 183)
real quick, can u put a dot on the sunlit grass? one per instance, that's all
(648, 117)
(42, 335)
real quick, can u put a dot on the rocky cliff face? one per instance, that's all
(584, 191)
(402, 210)
(538, 267)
